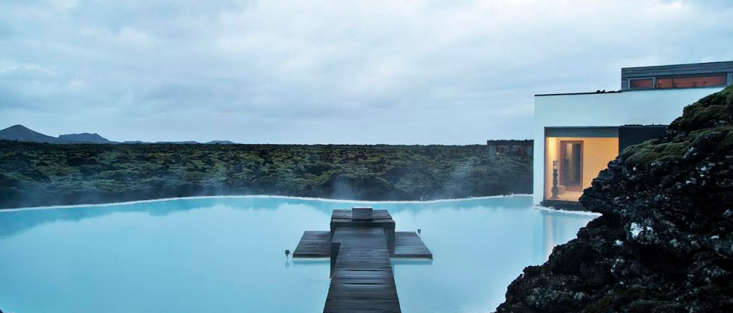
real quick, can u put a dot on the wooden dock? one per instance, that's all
(362, 243)
(362, 279)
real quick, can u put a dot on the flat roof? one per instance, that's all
(619, 91)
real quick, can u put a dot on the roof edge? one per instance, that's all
(678, 64)
(577, 93)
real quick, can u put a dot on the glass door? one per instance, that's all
(571, 164)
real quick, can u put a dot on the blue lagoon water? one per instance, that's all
(226, 254)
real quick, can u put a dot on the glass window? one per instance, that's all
(691, 81)
(641, 83)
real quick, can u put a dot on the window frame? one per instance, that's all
(561, 152)
(721, 74)
(653, 79)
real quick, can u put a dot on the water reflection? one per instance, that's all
(17, 220)
(558, 227)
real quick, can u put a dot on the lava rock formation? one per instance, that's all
(665, 240)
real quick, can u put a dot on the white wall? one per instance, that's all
(644, 107)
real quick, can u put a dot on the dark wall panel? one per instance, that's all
(631, 135)
(581, 132)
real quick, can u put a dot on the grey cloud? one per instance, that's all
(328, 72)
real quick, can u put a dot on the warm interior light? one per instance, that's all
(577, 160)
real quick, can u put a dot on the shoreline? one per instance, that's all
(576, 212)
(49, 207)
(67, 206)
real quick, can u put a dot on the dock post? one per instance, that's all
(335, 246)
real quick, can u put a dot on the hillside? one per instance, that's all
(83, 138)
(22, 133)
(42, 174)
(665, 240)
(25, 134)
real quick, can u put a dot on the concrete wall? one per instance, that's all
(658, 106)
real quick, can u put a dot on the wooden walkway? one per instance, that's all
(362, 278)
(361, 270)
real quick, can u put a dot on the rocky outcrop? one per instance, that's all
(665, 240)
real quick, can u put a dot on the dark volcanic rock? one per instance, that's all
(665, 240)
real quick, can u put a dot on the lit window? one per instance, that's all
(571, 163)
(641, 83)
(691, 81)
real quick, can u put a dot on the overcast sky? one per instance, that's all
(413, 72)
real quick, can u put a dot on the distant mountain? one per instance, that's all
(83, 138)
(220, 142)
(22, 133)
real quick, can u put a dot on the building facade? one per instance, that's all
(577, 134)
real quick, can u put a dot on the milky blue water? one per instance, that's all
(226, 254)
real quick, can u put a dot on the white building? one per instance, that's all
(577, 134)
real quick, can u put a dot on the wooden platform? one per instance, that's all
(317, 244)
(409, 245)
(314, 244)
(361, 269)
